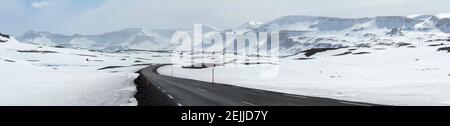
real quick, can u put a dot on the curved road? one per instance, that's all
(159, 90)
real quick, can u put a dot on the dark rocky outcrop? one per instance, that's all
(313, 51)
(3, 36)
(444, 49)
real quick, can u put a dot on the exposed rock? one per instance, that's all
(5, 36)
(313, 51)
(444, 49)
(360, 53)
(395, 32)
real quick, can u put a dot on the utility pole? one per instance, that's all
(212, 77)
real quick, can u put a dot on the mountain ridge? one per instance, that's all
(298, 33)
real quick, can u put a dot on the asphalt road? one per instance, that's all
(159, 90)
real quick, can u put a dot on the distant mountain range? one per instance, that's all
(112, 41)
(297, 33)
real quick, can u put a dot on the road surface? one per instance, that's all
(160, 90)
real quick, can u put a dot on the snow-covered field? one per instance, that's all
(387, 75)
(47, 76)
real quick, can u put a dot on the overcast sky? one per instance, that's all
(97, 16)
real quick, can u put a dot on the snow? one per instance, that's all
(427, 24)
(68, 77)
(424, 16)
(111, 41)
(443, 15)
(420, 16)
(415, 15)
(392, 76)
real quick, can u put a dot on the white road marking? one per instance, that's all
(297, 96)
(248, 103)
(163, 91)
(179, 104)
(357, 104)
(201, 89)
(259, 91)
(170, 96)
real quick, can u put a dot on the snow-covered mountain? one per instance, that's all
(297, 33)
(300, 33)
(126, 39)
(112, 41)
(389, 60)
